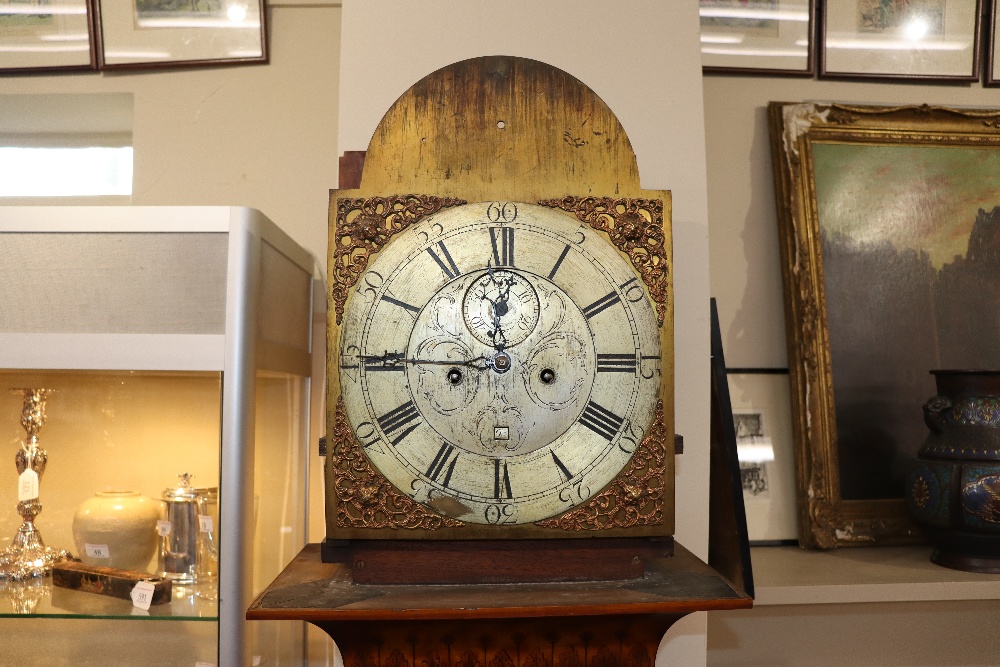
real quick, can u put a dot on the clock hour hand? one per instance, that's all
(392, 358)
(500, 307)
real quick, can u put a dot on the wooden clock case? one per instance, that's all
(596, 588)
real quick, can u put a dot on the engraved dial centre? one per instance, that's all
(531, 387)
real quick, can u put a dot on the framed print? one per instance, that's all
(172, 33)
(45, 35)
(889, 224)
(992, 49)
(911, 39)
(763, 421)
(757, 36)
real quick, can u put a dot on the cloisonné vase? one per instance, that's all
(953, 489)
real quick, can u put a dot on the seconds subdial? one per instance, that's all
(500, 308)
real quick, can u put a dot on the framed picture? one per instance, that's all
(910, 39)
(172, 33)
(46, 35)
(763, 421)
(992, 48)
(889, 224)
(757, 36)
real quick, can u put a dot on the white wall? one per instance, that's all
(263, 136)
(643, 59)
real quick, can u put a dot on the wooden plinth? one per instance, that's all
(575, 624)
(495, 561)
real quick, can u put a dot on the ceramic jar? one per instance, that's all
(117, 529)
(953, 489)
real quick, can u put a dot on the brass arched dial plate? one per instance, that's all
(499, 363)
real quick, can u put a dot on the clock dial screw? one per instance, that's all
(500, 362)
(455, 376)
(548, 376)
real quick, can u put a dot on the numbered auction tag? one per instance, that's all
(97, 550)
(163, 528)
(27, 485)
(142, 595)
(205, 522)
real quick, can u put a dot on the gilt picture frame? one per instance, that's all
(176, 33)
(934, 40)
(887, 221)
(46, 36)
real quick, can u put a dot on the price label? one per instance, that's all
(27, 485)
(97, 550)
(205, 522)
(163, 528)
(142, 595)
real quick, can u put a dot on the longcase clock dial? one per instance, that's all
(499, 363)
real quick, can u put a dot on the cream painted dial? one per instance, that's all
(499, 369)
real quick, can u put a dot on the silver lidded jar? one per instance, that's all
(179, 530)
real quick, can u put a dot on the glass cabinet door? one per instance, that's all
(115, 441)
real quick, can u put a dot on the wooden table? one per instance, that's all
(582, 624)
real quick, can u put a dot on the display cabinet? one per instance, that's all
(174, 340)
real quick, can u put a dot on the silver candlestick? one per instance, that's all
(27, 557)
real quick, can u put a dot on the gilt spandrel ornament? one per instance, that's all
(27, 557)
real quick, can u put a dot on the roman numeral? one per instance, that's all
(445, 261)
(601, 421)
(501, 480)
(559, 262)
(393, 422)
(616, 363)
(562, 467)
(503, 245)
(602, 304)
(401, 304)
(444, 462)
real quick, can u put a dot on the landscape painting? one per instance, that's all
(911, 259)
(889, 233)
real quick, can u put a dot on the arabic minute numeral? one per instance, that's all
(632, 290)
(501, 211)
(500, 513)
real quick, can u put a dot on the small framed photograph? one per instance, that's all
(173, 33)
(763, 420)
(907, 39)
(992, 49)
(757, 36)
(51, 35)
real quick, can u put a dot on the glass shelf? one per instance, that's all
(43, 600)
